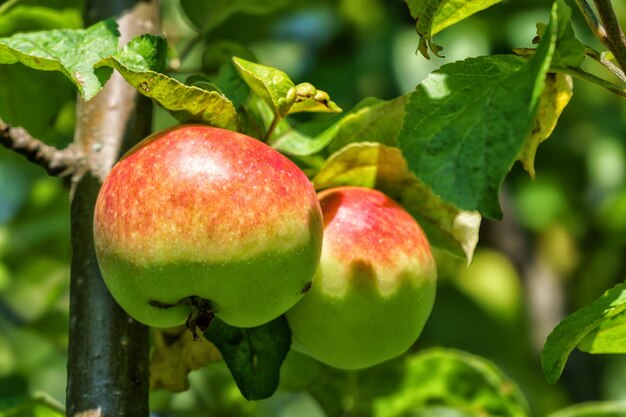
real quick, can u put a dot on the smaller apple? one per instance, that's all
(375, 285)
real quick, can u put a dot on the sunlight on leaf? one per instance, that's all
(463, 146)
(433, 16)
(276, 89)
(74, 52)
(140, 61)
(608, 337)
(573, 329)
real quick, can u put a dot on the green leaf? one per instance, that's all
(23, 18)
(453, 11)
(140, 61)
(207, 14)
(569, 50)
(466, 123)
(433, 16)
(455, 380)
(573, 329)
(272, 85)
(290, 141)
(593, 409)
(219, 53)
(276, 89)
(556, 95)
(608, 337)
(253, 355)
(234, 88)
(72, 52)
(374, 165)
(23, 104)
(39, 405)
(372, 121)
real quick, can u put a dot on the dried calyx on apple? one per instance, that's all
(375, 285)
(196, 221)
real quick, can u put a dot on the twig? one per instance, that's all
(57, 162)
(580, 74)
(605, 62)
(590, 52)
(614, 33)
(592, 21)
(272, 127)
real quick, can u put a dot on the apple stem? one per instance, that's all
(200, 317)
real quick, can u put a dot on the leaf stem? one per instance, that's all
(50, 402)
(580, 74)
(272, 127)
(605, 62)
(590, 52)
(616, 41)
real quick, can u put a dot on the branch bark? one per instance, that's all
(592, 21)
(615, 35)
(108, 351)
(56, 162)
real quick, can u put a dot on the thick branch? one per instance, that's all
(57, 162)
(616, 38)
(108, 351)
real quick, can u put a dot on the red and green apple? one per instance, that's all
(200, 213)
(375, 285)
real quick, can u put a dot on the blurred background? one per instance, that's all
(561, 244)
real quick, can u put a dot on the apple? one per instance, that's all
(375, 285)
(200, 219)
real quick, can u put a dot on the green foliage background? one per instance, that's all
(561, 243)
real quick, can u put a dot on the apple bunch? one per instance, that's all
(196, 221)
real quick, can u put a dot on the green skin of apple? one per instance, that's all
(375, 285)
(199, 213)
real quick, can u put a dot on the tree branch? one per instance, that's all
(56, 162)
(107, 350)
(580, 74)
(592, 21)
(605, 62)
(614, 33)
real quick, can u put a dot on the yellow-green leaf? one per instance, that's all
(557, 93)
(271, 84)
(608, 337)
(139, 62)
(374, 165)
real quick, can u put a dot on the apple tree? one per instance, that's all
(313, 170)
